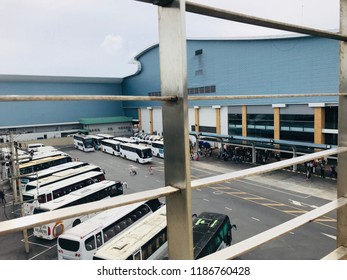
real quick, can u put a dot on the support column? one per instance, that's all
(197, 119)
(150, 111)
(173, 78)
(218, 128)
(244, 120)
(277, 123)
(140, 118)
(319, 124)
(341, 229)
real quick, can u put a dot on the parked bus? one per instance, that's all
(37, 197)
(82, 241)
(110, 146)
(148, 239)
(143, 241)
(105, 136)
(25, 158)
(96, 141)
(50, 171)
(34, 147)
(59, 176)
(41, 164)
(125, 140)
(98, 191)
(83, 142)
(211, 233)
(134, 152)
(158, 149)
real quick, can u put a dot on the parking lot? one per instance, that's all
(250, 216)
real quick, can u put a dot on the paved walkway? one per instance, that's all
(325, 188)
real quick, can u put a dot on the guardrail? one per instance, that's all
(177, 170)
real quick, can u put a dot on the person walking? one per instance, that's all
(322, 170)
(2, 197)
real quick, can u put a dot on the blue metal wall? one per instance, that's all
(23, 113)
(242, 67)
(235, 67)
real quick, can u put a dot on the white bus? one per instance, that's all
(82, 241)
(125, 140)
(96, 141)
(59, 176)
(50, 171)
(34, 147)
(110, 146)
(41, 164)
(98, 191)
(134, 152)
(158, 148)
(37, 197)
(144, 241)
(148, 239)
(105, 136)
(83, 142)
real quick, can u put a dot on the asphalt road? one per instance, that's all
(255, 204)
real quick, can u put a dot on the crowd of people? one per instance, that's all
(240, 154)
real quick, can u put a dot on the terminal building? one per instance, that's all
(244, 66)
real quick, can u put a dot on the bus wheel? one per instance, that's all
(76, 222)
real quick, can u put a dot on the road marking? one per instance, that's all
(228, 208)
(274, 204)
(326, 219)
(37, 244)
(272, 188)
(328, 235)
(298, 203)
(253, 198)
(217, 192)
(294, 211)
(206, 199)
(43, 252)
(256, 219)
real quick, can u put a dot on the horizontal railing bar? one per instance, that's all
(198, 183)
(251, 243)
(264, 96)
(13, 98)
(31, 221)
(39, 219)
(252, 20)
(247, 19)
(339, 253)
(20, 98)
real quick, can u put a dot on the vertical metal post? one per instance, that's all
(173, 77)
(342, 137)
(254, 154)
(295, 166)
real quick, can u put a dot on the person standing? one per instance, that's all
(2, 197)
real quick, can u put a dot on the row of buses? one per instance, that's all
(134, 148)
(137, 231)
(58, 182)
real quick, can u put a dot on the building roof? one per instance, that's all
(119, 119)
(59, 79)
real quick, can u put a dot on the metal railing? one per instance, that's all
(178, 185)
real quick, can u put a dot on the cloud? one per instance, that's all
(112, 44)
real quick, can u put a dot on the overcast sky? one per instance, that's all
(98, 38)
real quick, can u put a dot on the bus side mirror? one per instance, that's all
(233, 226)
